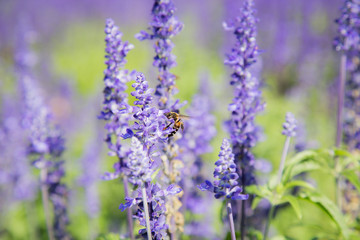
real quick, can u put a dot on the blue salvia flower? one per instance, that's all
(247, 102)
(156, 198)
(16, 180)
(348, 27)
(352, 103)
(348, 41)
(46, 147)
(226, 184)
(200, 127)
(163, 27)
(290, 125)
(199, 131)
(116, 110)
(90, 175)
(46, 144)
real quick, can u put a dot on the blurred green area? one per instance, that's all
(78, 53)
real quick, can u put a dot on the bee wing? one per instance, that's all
(184, 117)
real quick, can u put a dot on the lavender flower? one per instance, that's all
(290, 125)
(199, 131)
(163, 27)
(349, 27)
(247, 96)
(352, 103)
(46, 145)
(116, 110)
(200, 128)
(16, 180)
(156, 198)
(90, 176)
(226, 184)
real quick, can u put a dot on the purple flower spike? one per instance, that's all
(290, 125)
(349, 27)
(116, 111)
(226, 184)
(247, 102)
(162, 28)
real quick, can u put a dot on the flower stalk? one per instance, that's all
(45, 200)
(146, 210)
(231, 220)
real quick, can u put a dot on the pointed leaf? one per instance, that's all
(298, 183)
(294, 203)
(353, 178)
(330, 208)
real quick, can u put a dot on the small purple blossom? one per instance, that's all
(226, 184)
(348, 27)
(163, 27)
(290, 125)
(139, 163)
(156, 198)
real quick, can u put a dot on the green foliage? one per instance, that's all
(334, 162)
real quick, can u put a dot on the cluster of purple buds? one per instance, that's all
(156, 198)
(349, 27)
(226, 184)
(163, 27)
(116, 110)
(290, 125)
(150, 122)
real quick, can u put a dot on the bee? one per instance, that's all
(177, 124)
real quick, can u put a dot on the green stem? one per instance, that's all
(231, 220)
(146, 210)
(283, 158)
(45, 200)
(271, 213)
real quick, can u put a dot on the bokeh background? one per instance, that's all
(298, 69)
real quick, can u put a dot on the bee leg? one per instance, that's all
(167, 126)
(182, 127)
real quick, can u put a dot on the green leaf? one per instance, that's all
(253, 189)
(298, 183)
(109, 236)
(255, 202)
(353, 178)
(302, 167)
(294, 203)
(330, 208)
(342, 153)
(301, 156)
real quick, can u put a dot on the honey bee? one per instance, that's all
(177, 124)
